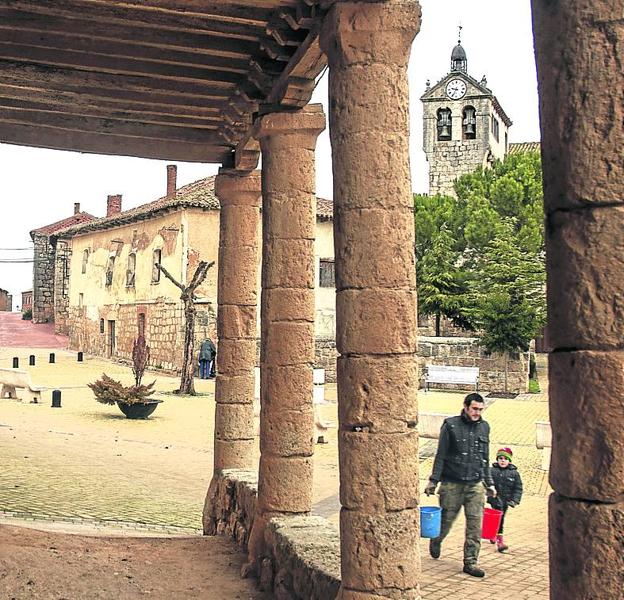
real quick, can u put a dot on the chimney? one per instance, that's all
(172, 176)
(76, 207)
(113, 205)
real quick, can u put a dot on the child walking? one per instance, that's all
(508, 485)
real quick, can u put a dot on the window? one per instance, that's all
(157, 255)
(445, 126)
(495, 128)
(109, 270)
(80, 299)
(130, 272)
(327, 274)
(85, 260)
(469, 123)
(101, 325)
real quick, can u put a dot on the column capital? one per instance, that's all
(309, 121)
(238, 187)
(370, 32)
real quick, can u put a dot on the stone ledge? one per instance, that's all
(303, 552)
(305, 559)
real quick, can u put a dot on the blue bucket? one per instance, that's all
(430, 521)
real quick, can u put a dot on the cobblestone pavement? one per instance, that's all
(18, 333)
(85, 463)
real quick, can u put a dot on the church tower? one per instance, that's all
(464, 126)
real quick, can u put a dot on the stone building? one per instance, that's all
(45, 264)
(247, 93)
(107, 288)
(27, 296)
(6, 301)
(464, 125)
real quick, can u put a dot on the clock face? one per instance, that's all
(455, 89)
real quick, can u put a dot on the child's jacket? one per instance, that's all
(507, 482)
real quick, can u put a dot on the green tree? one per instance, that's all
(441, 283)
(508, 296)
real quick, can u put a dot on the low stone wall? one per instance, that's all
(325, 356)
(466, 352)
(303, 561)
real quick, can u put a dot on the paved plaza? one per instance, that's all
(85, 467)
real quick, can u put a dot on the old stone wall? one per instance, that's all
(43, 279)
(466, 352)
(303, 561)
(325, 355)
(6, 301)
(164, 330)
(61, 287)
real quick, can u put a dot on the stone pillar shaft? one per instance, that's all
(581, 81)
(367, 45)
(288, 142)
(237, 297)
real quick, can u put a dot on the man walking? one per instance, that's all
(462, 465)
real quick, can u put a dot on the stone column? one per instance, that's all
(287, 141)
(368, 46)
(237, 297)
(581, 83)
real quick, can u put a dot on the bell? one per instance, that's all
(470, 129)
(445, 131)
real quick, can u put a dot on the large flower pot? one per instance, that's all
(138, 411)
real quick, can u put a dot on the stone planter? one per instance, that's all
(140, 410)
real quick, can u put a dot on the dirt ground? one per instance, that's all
(59, 566)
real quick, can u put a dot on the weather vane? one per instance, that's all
(459, 27)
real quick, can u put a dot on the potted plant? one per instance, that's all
(134, 400)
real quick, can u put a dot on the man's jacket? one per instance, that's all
(463, 451)
(207, 350)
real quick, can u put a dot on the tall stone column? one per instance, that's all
(368, 46)
(237, 297)
(287, 141)
(581, 83)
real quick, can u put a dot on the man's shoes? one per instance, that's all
(435, 546)
(474, 571)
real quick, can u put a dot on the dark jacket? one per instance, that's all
(463, 451)
(207, 350)
(508, 485)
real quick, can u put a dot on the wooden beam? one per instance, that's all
(107, 126)
(97, 143)
(137, 86)
(249, 28)
(129, 34)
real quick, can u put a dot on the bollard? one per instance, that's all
(52, 357)
(31, 360)
(56, 398)
(79, 356)
(15, 362)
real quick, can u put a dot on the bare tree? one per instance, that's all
(187, 385)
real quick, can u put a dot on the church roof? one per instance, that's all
(520, 147)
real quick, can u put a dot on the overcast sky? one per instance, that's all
(40, 186)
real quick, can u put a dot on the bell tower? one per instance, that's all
(464, 126)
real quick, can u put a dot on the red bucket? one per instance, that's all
(491, 523)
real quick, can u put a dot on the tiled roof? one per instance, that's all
(199, 194)
(55, 228)
(520, 147)
(324, 209)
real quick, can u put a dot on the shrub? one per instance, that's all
(109, 391)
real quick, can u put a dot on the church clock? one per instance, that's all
(455, 89)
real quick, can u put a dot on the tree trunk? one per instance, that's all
(187, 379)
(506, 366)
(437, 324)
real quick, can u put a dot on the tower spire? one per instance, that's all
(459, 62)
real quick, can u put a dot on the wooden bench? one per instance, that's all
(11, 379)
(454, 375)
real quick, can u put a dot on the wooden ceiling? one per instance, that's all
(168, 79)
